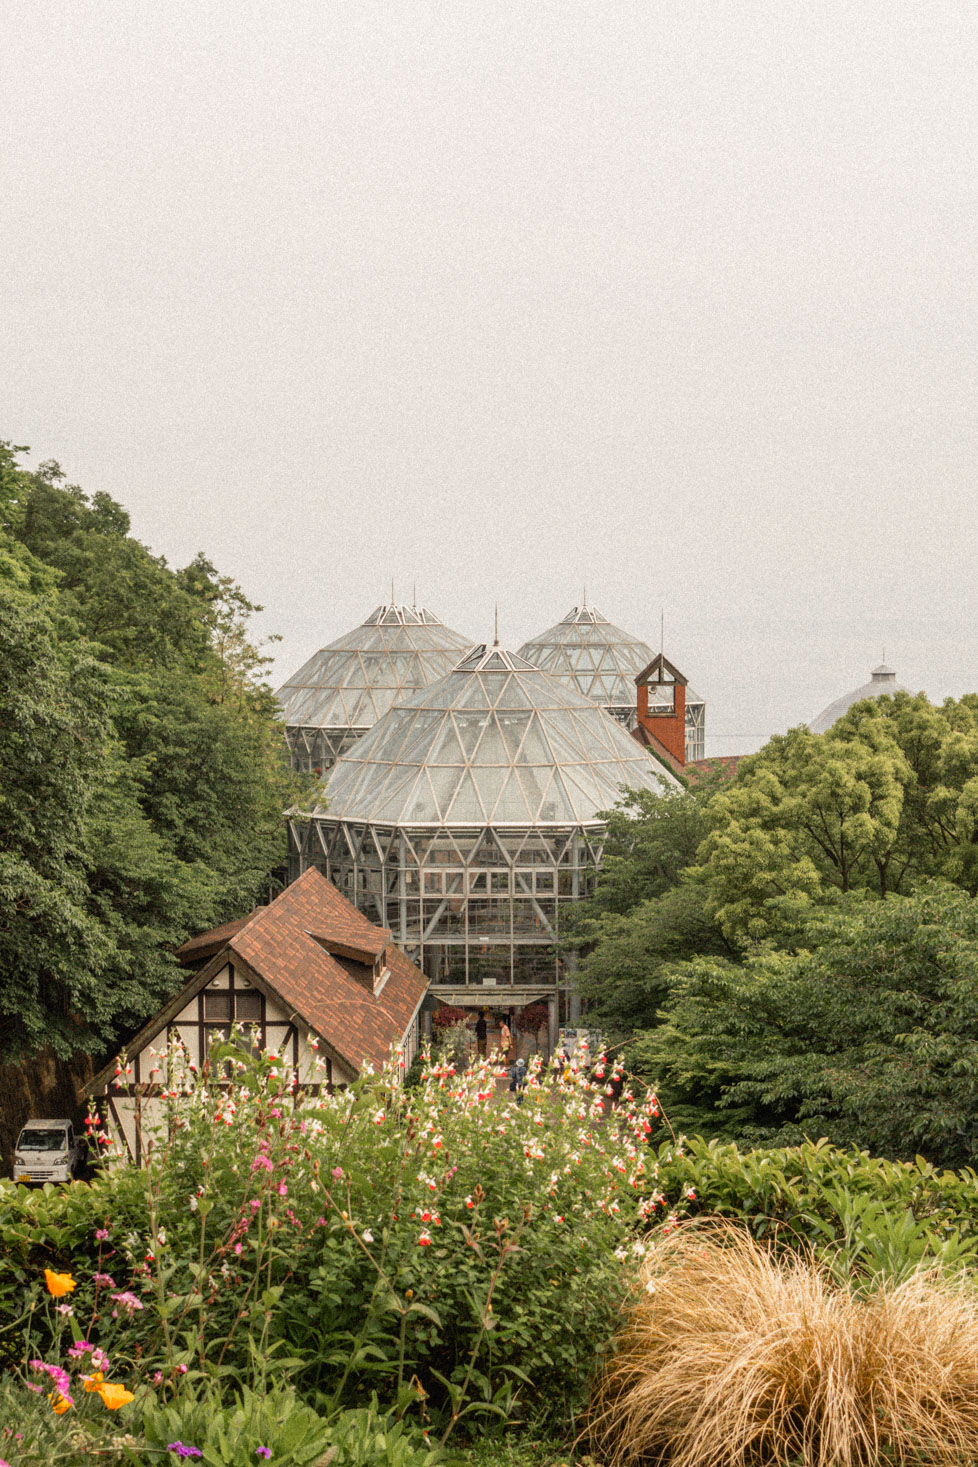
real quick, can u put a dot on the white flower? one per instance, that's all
(367, 1235)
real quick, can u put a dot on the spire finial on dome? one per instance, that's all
(496, 641)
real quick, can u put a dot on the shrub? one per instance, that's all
(735, 1356)
(864, 1215)
(456, 1254)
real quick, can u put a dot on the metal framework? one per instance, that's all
(467, 818)
(587, 652)
(343, 689)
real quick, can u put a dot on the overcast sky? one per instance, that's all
(677, 299)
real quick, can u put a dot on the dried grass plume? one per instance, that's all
(734, 1357)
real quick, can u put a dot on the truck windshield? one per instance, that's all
(40, 1140)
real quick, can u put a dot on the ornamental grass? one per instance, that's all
(734, 1356)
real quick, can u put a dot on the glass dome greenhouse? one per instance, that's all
(467, 818)
(586, 651)
(344, 688)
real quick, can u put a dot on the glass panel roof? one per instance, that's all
(350, 683)
(585, 651)
(544, 755)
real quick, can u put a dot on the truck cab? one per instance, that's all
(48, 1151)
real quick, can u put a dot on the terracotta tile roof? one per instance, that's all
(281, 946)
(278, 942)
(723, 765)
(198, 949)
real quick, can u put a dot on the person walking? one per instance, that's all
(506, 1042)
(481, 1034)
(517, 1080)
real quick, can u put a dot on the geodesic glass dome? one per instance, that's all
(468, 817)
(344, 688)
(588, 652)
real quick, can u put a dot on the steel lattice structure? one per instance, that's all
(468, 817)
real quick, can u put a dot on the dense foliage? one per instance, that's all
(445, 1247)
(792, 954)
(645, 914)
(381, 1270)
(864, 1033)
(142, 774)
(887, 796)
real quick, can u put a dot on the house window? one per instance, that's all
(248, 1006)
(217, 1006)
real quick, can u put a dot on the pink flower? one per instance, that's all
(282, 1190)
(101, 1234)
(262, 1161)
(337, 1173)
(237, 1249)
(60, 1377)
(127, 1301)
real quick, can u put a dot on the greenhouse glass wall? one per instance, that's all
(468, 818)
(344, 688)
(586, 651)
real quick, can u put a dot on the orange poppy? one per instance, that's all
(115, 1396)
(58, 1284)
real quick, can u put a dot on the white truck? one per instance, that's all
(48, 1151)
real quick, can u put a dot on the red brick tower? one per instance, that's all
(664, 715)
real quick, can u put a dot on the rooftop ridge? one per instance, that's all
(485, 658)
(400, 614)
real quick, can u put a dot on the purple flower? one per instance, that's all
(263, 1451)
(184, 1451)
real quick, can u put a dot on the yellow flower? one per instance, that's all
(59, 1404)
(58, 1284)
(93, 1382)
(115, 1396)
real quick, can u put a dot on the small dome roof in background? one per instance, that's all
(881, 684)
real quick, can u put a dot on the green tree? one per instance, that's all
(165, 739)
(53, 726)
(643, 915)
(887, 796)
(867, 1034)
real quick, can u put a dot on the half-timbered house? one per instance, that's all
(308, 976)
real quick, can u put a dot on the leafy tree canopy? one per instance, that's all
(887, 796)
(142, 770)
(643, 915)
(867, 1034)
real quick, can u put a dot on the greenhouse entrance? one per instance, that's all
(533, 1026)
